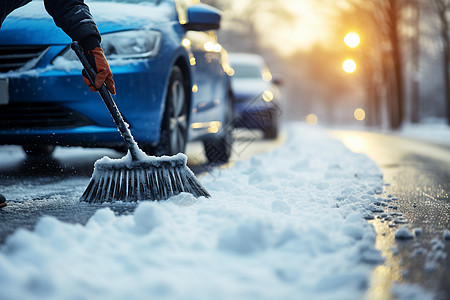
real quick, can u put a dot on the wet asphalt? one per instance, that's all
(416, 196)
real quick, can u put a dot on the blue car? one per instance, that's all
(256, 94)
(172, 80)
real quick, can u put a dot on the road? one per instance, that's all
(418, 174)
(52, 186)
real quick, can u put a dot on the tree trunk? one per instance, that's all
(443, 9)
(415, 46)
(397, 119)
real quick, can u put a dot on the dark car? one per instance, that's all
(256, 93)
(170, 71)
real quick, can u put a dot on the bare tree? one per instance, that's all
(443, 11)
(382, 20)
(414, 21)
(392, 15)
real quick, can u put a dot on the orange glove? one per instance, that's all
(97, 59)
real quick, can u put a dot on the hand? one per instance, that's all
(97, 59)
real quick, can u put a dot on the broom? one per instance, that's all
(136, 176)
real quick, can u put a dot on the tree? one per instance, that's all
(415, 8)
(443, 10)
(382, 20)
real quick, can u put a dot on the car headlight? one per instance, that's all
(131, 44)
(126, 44)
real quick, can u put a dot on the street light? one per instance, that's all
(359, 114)
(349, 66)
(352, 39)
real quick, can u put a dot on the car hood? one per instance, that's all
(248, 87)
(31, 24)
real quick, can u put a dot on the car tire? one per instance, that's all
(174, 126)
(38, 150)
(218, 149)
(271, 132)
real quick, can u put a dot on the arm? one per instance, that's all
(74, 17)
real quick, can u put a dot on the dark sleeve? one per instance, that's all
(6, 7)
(74, 18)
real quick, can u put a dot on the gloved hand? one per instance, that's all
(97, 59)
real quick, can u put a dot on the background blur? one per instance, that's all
(402, 59)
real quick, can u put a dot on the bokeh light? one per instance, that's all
(312, 119)
(352, 39)
(359, 114)
(267, 96)
(349, 66)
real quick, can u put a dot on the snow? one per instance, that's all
(288, 224)
(436, 255)
(432, 130)
(103, 12)
(403, 233)
(127, 160)
(446, 234)
(411, 292)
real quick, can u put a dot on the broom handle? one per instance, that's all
(110, 104)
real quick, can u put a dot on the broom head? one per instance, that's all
(155, 178)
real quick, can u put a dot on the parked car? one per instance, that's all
(256, 93)
(171, 75)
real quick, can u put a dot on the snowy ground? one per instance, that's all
(433, 131)
(289, 224)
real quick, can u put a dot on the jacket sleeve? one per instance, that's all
(74, 18)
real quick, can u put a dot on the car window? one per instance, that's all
(132, 1)
(247, 71)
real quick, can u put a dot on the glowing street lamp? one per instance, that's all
(349, 66)
(359, 114)
(312, 119)
(352, 39)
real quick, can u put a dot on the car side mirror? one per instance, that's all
(202, 17)
(277, 80)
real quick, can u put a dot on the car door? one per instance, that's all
(209, 75)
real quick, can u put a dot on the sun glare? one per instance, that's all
(352, 39)
(349, 66)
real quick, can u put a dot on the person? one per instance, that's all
(75, 19)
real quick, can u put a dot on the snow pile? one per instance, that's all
(407, 291)
(403, 233)
(435, 130)
(436, 255)
(446, 234)
(290, 224)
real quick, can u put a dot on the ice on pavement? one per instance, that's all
(403, 233)
(289, 224)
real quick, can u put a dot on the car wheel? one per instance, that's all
(174, 126)
(218, 149)
(38, 150)
(271, 132)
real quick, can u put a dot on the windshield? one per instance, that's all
(130, 1)
(247, 71)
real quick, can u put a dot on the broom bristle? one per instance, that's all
(141, 180)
